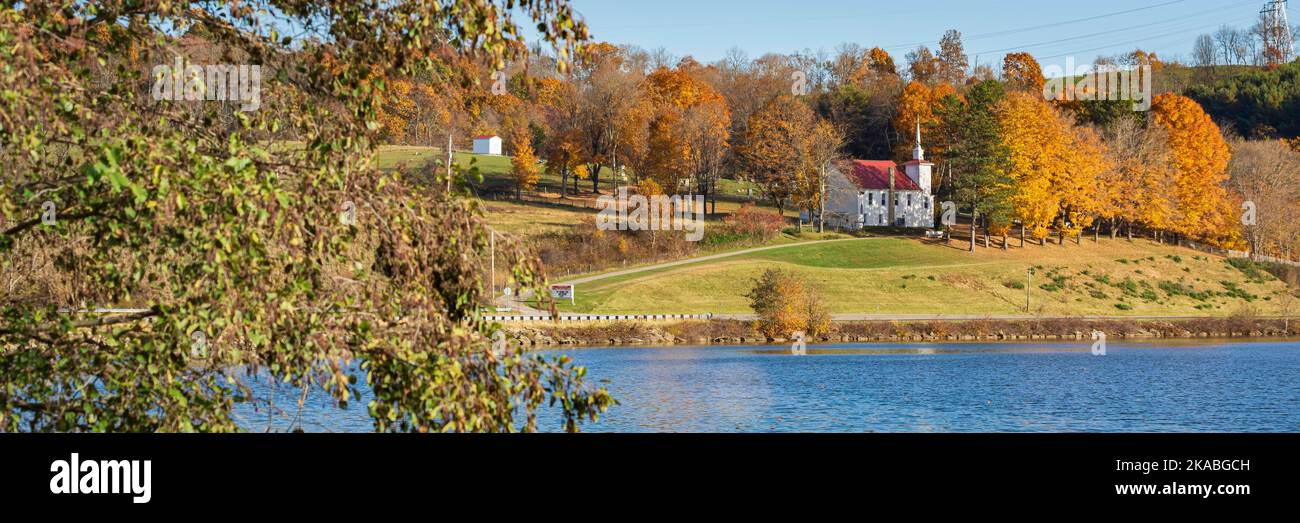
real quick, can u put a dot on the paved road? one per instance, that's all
(536, 315)
(959, 317)
(519, 303)
(687, 261)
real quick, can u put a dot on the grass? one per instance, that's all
(528, 217)
(906, 276)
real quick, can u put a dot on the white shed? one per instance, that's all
(487, 145)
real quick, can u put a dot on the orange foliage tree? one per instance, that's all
(916, 105)
(1021, 71)
(1200, 157)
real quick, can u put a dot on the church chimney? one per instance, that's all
(890, 201)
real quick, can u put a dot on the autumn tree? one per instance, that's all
(608, 93)
(747, 85)
(249, 260)
(560, 108)
(1141, 170)
(771, 153)
(1055, 164)
(951, 61)
(917, 105)
(786, 304)
(880, 62)
(820, 146)
(524, 171)
(689, 131)
(1200, 157)
(1021, 71)
(1267, 174)
(1036, 143)
(922, 66)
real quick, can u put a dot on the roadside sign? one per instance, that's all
(563, 292)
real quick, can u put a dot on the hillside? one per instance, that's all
(905, 276)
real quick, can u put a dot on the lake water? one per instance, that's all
(966, 387)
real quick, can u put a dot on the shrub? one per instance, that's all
(784, 304)
(756, 223)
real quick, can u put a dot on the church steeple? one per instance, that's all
(918, 153)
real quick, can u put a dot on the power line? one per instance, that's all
(1147, 38)
(1113, 31)
(1043, 26)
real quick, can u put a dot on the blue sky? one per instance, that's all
(706, 29)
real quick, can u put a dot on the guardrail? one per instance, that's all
(598, 317)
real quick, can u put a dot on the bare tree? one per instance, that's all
(1266, 174)
(1203, 54)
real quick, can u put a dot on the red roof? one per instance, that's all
(874, 175)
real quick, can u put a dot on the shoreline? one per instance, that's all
(737, 332)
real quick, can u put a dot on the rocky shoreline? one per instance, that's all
(728, 332)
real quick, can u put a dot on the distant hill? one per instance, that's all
(1258, 103)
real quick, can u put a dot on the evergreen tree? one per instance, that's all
(979, 158)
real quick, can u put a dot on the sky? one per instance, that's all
(1051, 31)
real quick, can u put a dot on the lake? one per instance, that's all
(928, 387)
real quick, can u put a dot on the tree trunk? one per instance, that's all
(1022, 235)
(986, 233)
(974, 218)
(564, 181)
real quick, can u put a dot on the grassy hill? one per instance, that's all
(890, 275)
(906, 276)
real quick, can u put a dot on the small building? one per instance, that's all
(487, 145)
(876, 193)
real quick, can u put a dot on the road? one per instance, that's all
(519, 303)
(711, 257)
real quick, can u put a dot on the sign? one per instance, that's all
(563, 292)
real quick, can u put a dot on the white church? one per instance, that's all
(874, 193)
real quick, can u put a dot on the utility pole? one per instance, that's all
(1029, 284)
(821, 216)
(492, 242)
(449, 175)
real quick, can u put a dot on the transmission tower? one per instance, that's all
(1279, 43)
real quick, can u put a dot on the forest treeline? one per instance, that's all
(1016, 162)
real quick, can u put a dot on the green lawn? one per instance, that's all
(904, 276)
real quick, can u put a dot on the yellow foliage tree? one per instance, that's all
(1032, 132)
(524, 169)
